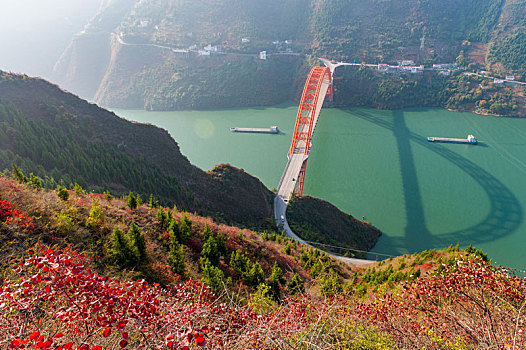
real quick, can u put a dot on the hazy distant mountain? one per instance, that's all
(161, 54)
(33, 34)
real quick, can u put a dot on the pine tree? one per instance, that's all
(174, 230)
(176, 257)
(240, 263)
(256, 275)
(137, 240)
(185, 228)
(109, 197)
(210, 251)
(330, 284)
(161, 217)
(78, 190)
(221, 244)
(213, 276)
(121, 250)
(207, 232)
(35, 181)
(18, 174)
(95, 218)
(62, 193)
(153, 203)
(295, 285)
(275, 280)
(132, 201)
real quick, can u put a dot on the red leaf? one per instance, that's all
(199, 340)
(96, 348)
(68, 346)
(59, 335)
(106, 332)
(123, 343)
(125, 335)
(34, 335)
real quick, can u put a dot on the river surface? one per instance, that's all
(378, 165)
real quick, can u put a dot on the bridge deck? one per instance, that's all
(297, 157)
(293, 168)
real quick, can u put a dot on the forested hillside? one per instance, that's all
(66, 140)
(166, 55)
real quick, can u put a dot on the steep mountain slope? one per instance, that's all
(65, 139)
(151, 54)
(507, 52)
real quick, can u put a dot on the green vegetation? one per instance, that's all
(510, 51)
(314, 226)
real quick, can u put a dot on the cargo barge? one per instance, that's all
(272, 130)
(470, 140)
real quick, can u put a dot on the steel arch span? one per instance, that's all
(311, 102)
(317, 86)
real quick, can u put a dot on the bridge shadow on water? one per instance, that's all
(505, 214)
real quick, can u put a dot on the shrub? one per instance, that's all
(62, 193)
(123, 253)
(131, 201)
(95, 218)
(295, 285)
(176, 257)
(79, 191)
(137, 240)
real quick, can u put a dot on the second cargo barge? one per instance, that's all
(470, 140)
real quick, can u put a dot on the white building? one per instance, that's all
(144, 24)
(445, 66)
(211, 48)
(263, 55)
(510, 77)
(413, 69)
(245, 40)
(203, 53)
(498, 81)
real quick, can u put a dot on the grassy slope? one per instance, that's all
(446, 300)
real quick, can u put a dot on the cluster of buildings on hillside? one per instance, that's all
(262, 55)
(409, 66)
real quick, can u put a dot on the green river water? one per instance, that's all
(378, 164)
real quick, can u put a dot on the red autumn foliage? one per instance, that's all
(470, 299)
(10, 215)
